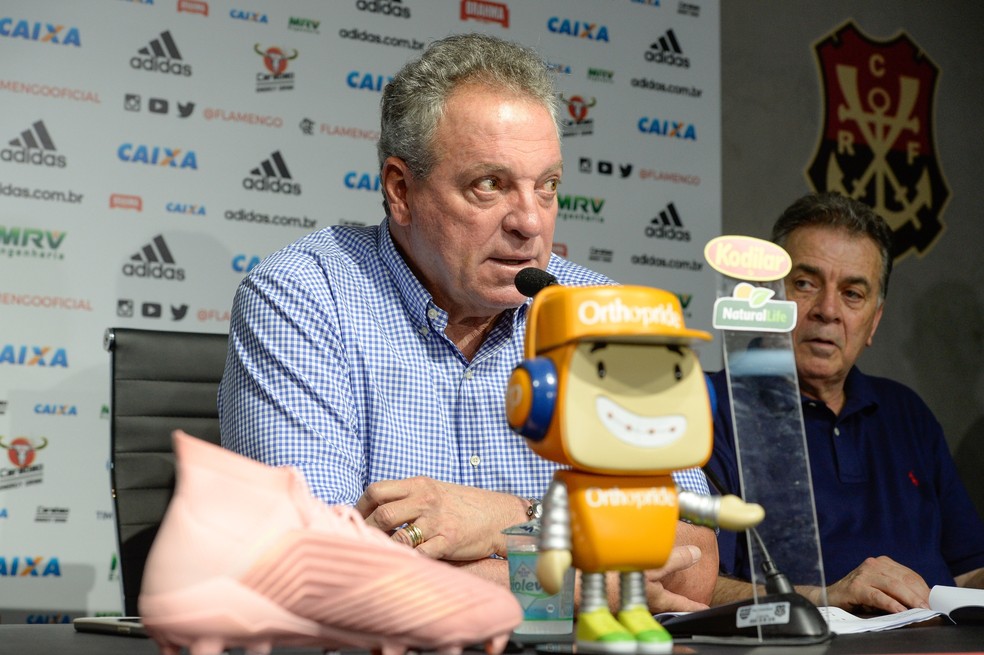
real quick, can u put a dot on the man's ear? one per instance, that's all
(395, 178)
(874, 323)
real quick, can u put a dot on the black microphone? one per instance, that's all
(530, 281)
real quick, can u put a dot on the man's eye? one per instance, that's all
(552, 185)
(488, 184)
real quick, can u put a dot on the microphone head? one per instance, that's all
(530, 281)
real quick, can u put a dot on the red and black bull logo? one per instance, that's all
(877, 142)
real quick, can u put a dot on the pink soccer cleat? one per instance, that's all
(247, 558)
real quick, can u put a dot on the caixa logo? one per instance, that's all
(367, 81)
(43, 32)
(33, 356)
(580, 29)
(56, 410)
(245, 263)
(29, 567)
(362, 181)
(154, 261)
(673, 129)
(157, 156)
(183, 208)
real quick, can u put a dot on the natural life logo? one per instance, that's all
(877, 142)
(751, 308)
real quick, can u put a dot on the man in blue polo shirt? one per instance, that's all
(893, 516)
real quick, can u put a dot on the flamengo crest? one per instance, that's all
(877, 142)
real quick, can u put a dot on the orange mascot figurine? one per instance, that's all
(611, 388)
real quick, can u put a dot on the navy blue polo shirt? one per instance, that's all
(884, 483)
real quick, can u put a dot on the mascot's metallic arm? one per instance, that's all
(728, 512)
(555, 538)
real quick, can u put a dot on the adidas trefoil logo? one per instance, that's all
(272, 175)
(161, 55)
(154, 260)
(33, 146)
(667, 50)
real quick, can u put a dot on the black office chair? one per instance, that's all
(160, 381)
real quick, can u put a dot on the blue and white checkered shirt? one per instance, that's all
(338, 365)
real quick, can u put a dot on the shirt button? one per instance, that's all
(432, 313)
(423, 330)
(474, 460)
(469, 375)
(837, 432)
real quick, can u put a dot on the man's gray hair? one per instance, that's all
(414, 100)
(831, 209)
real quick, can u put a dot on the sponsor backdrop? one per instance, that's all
(152, 152)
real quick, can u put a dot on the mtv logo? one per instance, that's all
(157, 106)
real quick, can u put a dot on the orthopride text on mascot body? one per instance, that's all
(611, 388)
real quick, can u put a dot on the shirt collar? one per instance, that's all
(417, 301)
(858, 392)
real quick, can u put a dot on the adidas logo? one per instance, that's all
(272, 175)
(161, 55)
(33, 146)
(154, 260)
(667, 51)
(667, 225)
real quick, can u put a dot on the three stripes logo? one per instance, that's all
(33, 146)
(272, 175)
(667, 50)
(154, 261)
(161, 55)
(667, 225)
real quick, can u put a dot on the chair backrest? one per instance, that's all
(160, 381)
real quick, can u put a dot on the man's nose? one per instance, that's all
(526, 215)
(826, 305)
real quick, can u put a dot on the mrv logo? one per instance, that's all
(272, 175)
(33, 146)
(155, 261)
(667, 225)
(161, 55)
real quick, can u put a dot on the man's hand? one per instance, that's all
(879, 584)
(456, 522)
(662, 599)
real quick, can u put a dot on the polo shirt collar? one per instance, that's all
(859, 395)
